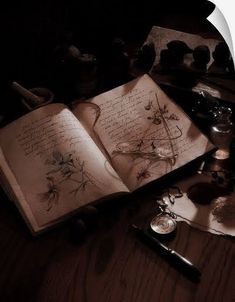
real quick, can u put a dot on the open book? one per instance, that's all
(54, 160)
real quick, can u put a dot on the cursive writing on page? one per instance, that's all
(121, 116)
(44, 134)
(145, 133)
(56, 163)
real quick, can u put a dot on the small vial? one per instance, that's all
(222, 131)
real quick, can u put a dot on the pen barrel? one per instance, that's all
(184, 264)
(151, 241)
(176, 260)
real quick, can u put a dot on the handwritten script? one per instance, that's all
(140, 127)
(42, 135)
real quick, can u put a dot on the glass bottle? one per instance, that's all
(221, 132)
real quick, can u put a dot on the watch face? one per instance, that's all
(163, 224)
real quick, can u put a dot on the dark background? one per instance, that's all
(112, 265)
(30, 31)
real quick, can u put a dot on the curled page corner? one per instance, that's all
(222, 19)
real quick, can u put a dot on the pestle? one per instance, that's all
(32, 99)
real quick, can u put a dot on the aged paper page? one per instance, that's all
(204, 216)
(55, 163)
(144, 132)
(220, 85)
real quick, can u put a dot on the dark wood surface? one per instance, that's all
(112, 264)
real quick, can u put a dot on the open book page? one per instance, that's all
(145, 133)
(55, 163)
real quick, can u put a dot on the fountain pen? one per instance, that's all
(177, 260)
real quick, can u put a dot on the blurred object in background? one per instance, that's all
(201, 56)
(116, 63)
(73, 73)
(222, 59)
(203, 106)
(86, 79)
(45, 96)
(222, 132)
(144, 59)
(34, 97)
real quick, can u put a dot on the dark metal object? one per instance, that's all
(163, 225)
(177, 260)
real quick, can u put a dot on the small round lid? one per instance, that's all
(163, 224)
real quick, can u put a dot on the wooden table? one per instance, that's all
(112, 264)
